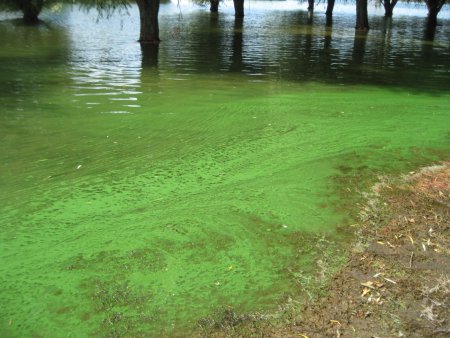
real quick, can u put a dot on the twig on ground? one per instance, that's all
(389, 280)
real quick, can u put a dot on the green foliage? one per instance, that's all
(17, 5)
(105, 7)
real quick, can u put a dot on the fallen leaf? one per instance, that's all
(368, 284)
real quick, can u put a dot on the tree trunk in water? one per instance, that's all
(148, 12)
(31, 10)
(310, 5)
(430, 29)
(434, 6)
(214, 6)
(389, 7)
(362, 18)
(330, 7)
(238, 8)
(388, 11)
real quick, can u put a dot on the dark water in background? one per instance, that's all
(143, 188)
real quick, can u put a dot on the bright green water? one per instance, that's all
(141, 192)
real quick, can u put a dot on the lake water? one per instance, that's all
(143, 189)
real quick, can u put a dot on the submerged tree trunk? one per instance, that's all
(362, 17)
(214, 6)
(388, 7)
(238, 8)
(434, 6)
(148, 12)
(31, 10)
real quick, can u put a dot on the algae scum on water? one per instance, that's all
(142, 192)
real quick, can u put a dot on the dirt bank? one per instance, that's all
(396, 280)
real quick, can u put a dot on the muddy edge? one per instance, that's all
(395, 282)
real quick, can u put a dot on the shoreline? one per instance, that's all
(396, 279)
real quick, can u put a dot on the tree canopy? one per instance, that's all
(30, 8)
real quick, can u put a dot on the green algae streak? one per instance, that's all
(136, 203)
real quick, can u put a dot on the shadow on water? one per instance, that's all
(237, 43)
(149, 55)
(297, 46)
(31, 56)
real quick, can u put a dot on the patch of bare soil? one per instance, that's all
(396, 282)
